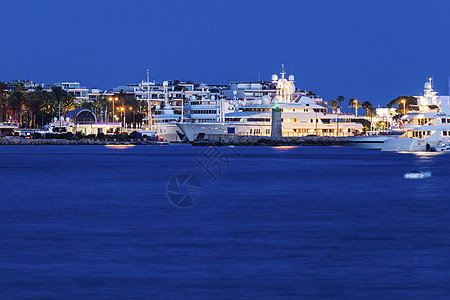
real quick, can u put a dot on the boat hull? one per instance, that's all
(368, 142)
(415, 145)
(169, 132)
(217, 130)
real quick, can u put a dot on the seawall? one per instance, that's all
(278, 141)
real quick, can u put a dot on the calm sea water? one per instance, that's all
(268, 222)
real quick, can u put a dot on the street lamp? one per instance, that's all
(404, 105)
(134, 115)
(113, 100)
(122, 114)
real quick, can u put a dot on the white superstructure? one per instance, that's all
(165, 124)
(427, 129)
(428, 111)
(300, 117)
(432, 138)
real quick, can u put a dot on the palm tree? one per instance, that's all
(333, 104)
(99, 105)
(370, 111)
(366, 105)
(353, 103)
(17, 101)
(68, 102)
(58, 94)
(3, 100)
(35, 101)
(340, 99)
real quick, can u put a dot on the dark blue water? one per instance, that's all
(285, 222)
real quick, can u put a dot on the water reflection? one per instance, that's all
(284, 148)
(119, 146)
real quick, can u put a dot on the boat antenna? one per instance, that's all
(149, 108)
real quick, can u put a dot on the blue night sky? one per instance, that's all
(369, 50)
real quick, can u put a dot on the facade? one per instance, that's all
(81, 93)
(85, 121)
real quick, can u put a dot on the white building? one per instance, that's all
(81, 93)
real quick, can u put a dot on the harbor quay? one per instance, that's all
(231, 141)
(24, 141)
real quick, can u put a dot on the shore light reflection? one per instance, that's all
(119, 146)
(284, 148)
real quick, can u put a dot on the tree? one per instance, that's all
(17, 101)
(3, 101)
(409, 101)
(340, 99)
(366, 104)
(353, 103)
(99, 106)
(365, 123)
(333, 104)
(370, 111)
(68, 103)
(58, 94)
(35, 101)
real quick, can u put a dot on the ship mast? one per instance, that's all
(285, 87)
(149, 108)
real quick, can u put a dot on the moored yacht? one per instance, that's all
(428, 111)
(432, 138)
(373, 140)
(427, 129)
(165, 124)
(300, 117)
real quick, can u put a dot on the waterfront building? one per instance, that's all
(79, 120)
(81, 93)
(94, 94)
(27, 85)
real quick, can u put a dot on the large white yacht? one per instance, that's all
(165, 123)
(205, 109)
(429, 111)
(300, 117)
(427, 128)
(434, 138)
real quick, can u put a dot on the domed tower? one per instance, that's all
(285, 87)
(429, 100)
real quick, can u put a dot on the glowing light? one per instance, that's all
(284, 148)
(119, 146)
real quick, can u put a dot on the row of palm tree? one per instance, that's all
(37, 108)
(336, 105)
(23, 107)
